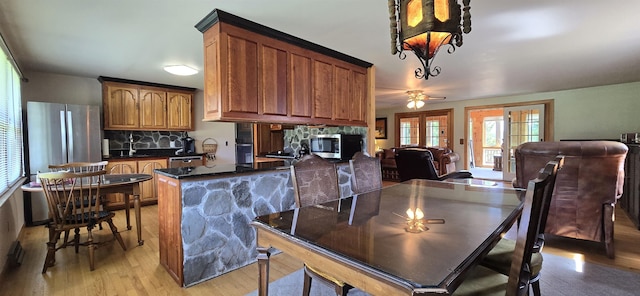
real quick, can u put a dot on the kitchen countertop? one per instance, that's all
(215, 170)
(227, 169)
(147, 153)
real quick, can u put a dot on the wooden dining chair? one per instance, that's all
(74, 202)
(499, 258)
(366, 174)
(79, 167)
(485, 281)
(315, 181)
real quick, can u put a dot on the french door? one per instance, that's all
(431, 128)
(522, 124)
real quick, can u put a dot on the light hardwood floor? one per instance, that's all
(137, 271)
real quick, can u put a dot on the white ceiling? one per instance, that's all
(515, 47)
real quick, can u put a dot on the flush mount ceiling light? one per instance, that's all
(423, 26)
(417, 98)
(181, 70)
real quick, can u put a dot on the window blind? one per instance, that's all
(11, 150)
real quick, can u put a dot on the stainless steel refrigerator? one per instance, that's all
(59, 133)
(244, 143)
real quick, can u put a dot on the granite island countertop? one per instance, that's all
(214, 170)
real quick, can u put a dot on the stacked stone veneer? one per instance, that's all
(294, 138)
(216, 213)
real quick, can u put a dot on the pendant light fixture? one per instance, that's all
(424, 26)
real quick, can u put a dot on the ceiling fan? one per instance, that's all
(416, 98)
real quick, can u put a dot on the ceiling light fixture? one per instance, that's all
(417, 98)
(180, 70)
(423, 26)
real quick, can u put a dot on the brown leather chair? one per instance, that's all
(587, 188)
(417, 163)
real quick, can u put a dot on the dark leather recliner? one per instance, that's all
(417, 163)
(586, 190)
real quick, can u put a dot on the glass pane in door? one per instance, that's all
(409, 131)
(523, 124)
(437, 131)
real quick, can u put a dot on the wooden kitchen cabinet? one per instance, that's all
(153, 109)
(169, 232)
(137, 105)
(148, 191)
(120, 107)
(254, 73)
(267, 139)
(180, 110)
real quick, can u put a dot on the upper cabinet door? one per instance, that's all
(153, 109)
(323, 92)
(359, 102)
(242, 82)
(274, 81)
(342, 95)
(121, 107)
(300, 85)
(180, 109)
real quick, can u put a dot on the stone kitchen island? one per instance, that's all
(204, 214)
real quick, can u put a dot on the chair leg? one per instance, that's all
(76, 239)
(306, 288)
(92, 248)
(608, 218)
(535, 286)
(116, 234)
(50, 259)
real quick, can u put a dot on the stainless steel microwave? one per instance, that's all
(335, 146)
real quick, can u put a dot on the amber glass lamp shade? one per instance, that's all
(427, 24)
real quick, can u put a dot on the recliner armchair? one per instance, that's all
(417, 163)
(586, 190)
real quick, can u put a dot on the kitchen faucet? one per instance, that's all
(131, 150)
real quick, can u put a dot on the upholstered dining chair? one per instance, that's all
(417, 163)
(74, 202)
(315, 181)
(366, 174)
(484, 281)
(499, 258)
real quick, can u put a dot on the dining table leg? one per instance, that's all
(126, 210)
(263, 271)
(136, 207)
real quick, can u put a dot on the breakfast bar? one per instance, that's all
(204, 215)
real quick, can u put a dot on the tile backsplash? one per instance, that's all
(144, 139)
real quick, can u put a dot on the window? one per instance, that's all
(429, 128)
(11, 154)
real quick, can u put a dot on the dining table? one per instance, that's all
(418, 237)
(128, 184)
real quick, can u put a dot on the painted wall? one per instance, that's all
(11, 223)
(601, 112)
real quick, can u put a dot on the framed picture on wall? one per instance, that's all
(381, 128)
